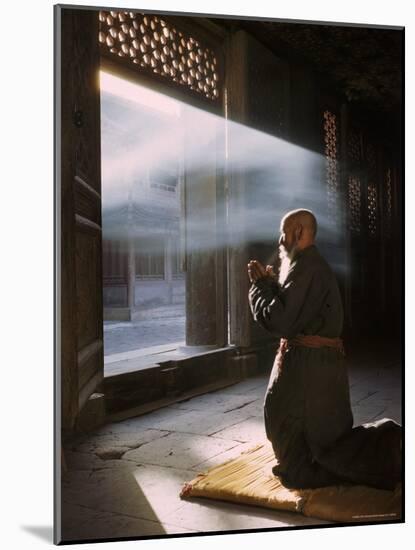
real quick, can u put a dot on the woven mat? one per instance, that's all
(248, 479)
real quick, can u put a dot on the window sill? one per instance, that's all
(154, 357)
(140, 383)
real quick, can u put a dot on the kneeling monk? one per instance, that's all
(307, 410)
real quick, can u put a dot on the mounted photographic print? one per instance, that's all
(229, 274)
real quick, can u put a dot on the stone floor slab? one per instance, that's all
(154, 420)
(251, 429)
(108, 525)
(124, 440)
(75, 518)
(256, 385)
(80, 486)
(206, 515)
(82, 461)
(143, 492)
(217, 401)
(195, 422)
(362, 414)
(255, 408)
(171, 529)
(394, 412)
(179, 450)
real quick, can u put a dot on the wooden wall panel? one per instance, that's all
(80, 232)
(89, 317)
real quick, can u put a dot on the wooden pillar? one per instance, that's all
(131, 274)
(221, 264)
(200, 261)
(240, 324)
(203, 293)
(130, 255)
(265, 108)
(168, 268)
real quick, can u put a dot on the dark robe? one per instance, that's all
(307, 409)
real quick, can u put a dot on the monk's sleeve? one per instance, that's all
(286, 311)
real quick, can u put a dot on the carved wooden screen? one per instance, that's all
(80, 192)
(393, 244)
(375, 249)
(354, 203)
(372, 192)
(153, 46)
(372, 208)
(354, 182)
(356, 222)
(388, 203)
(331, 151)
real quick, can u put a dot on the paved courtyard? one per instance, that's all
(124, 479)
(151, 327)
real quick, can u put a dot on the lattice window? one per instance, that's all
(150, 258)
(371, 160)
(163, 187)
(114, 262)
(156, 46)
(388, 203)
(353, 147)
(354, 203)
(372, 205)
(331, 153)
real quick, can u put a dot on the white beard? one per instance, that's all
(286, 259)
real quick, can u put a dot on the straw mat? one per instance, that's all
(248, 479)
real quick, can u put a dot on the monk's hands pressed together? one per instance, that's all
(257, 271)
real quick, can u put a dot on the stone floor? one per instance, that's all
(124, 480)
(150, 327)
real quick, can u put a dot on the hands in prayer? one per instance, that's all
(257, 271)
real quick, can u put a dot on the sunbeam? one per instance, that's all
(152, 143)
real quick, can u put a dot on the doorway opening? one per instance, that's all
(144, 287)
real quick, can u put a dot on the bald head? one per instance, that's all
(301, 217)
(298, 230)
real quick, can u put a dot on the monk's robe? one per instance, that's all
(307, 409)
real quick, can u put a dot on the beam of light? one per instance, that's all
(150, 142)
(123, 89)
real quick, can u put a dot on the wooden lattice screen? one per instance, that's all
(331, 151)
(354, 153)
(354, 203)
(372, 192)
(354, 157)
(372, 207)
(388, 204)
(155, 46)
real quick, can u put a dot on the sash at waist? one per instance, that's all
(308, 341)
(311, 341)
